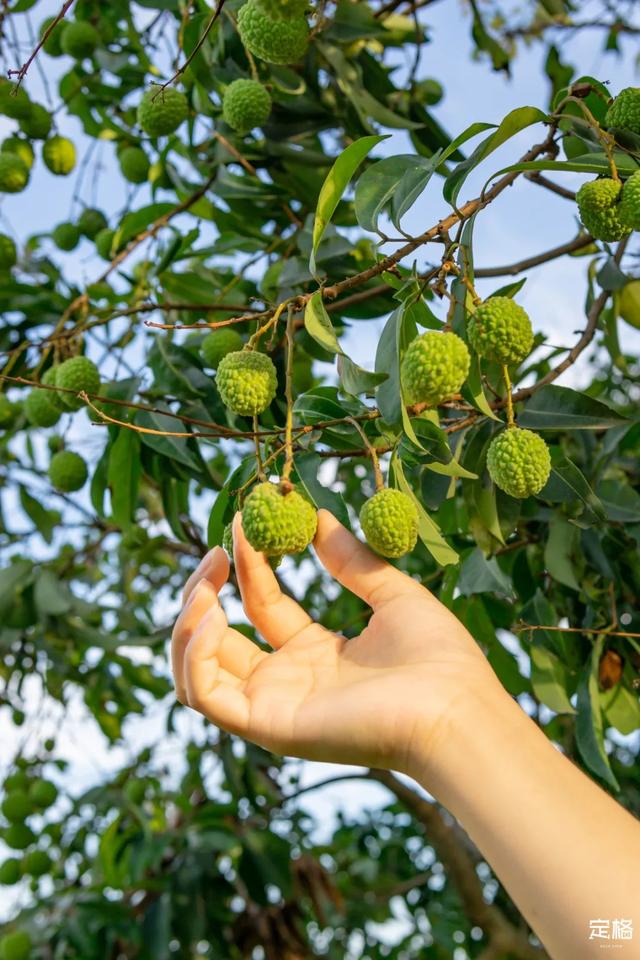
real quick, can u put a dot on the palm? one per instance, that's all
(319, 695)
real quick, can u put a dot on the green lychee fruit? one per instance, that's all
(66, 236)
(14, 100)
(18, 836)
(218, 344)
(10, 872)
(59, 155)
(624, 112)
(91, 222)
(79, 39)
(283, 9)
(628, 303)
(79, 374)
(246, 104)
(389, 521)
(134, 164)
(104, 243)
(271, 39)
(246, 381)
(227, 544)
(68, 471)
(500, 330)
(16, 781)
(160, 112)
(49, 378)
(629, 208)
(15, 946)
(8, 252)
(14, 173)
(36, 863)
(434, 367)
(51, 46)
(599, 208)
(16, 806)
(518, 462)
(276, 519)
(19, 147)
(8, 411)
(43, 794)
(41, 409)
(37, 123)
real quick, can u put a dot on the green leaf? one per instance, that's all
(355, 379)
(51, 596)
(480, 574)
(550, 679)
(513, 123)
(561, 408)
(334, 186)
(473, 390)
(621, 502)
(308, 468)
(379, 185)
(621, 708)
(123, 476)
(318, 324)
(138, 221)
(175, 448)
(388, 394)
(44, 520)
(566, 482)
(589, 726)
(428, 530)
(560, 552)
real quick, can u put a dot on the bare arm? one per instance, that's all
(414, 693)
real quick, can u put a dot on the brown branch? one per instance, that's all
(21, 72)
(461, 870)
(577, 244)
(205, 33)
(526, 627)
(542, 181)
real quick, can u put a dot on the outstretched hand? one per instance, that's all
(318, 695)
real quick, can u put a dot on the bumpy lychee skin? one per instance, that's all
(500, 330)
(284, 9)
(227, 544)
(271, 39)
(246, 104)
(37, 863)
(134, 164)
(91, 222)
(217, 344)
(246, 381)
(16, 806)
(59, 155)
(43, 794)
(8, 252)
(518, 462)
(629, 209)
(37, 124)
(50, 379)
(68, 471)
(14, 173)
(389, 521)
(79, 39)
(277, 520)
(41, 409)
(66, 236)
(624, 112)
(78, 374)
(434, 367)
(599, 208)
(160, 112)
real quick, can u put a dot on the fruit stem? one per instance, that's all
(256, 436)
(271, 322)
(511, 422)
(288, 463)
(377, 472)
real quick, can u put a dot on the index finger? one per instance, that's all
(213, 567)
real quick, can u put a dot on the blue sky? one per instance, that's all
(524, 221)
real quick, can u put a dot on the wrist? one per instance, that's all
(482, 724)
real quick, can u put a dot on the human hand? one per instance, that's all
(384, 698)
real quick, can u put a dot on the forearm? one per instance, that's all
(566, 852)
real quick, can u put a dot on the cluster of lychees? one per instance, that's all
(610, 208)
